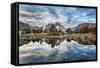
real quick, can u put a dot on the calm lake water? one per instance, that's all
(54, 50)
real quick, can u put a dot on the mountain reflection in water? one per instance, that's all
(50, 50)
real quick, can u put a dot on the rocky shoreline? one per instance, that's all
(86, 39)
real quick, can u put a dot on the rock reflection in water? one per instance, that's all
(55, 50)
(52, 41)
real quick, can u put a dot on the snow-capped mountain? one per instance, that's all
(56, 26)
(60, 26)
(53, 26)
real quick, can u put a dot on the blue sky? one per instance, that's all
(70, 15)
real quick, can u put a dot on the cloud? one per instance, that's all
(42, 18)
(68, 16)
(80, 16)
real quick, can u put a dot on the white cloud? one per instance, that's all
(44, 18)
(67, 16)
(82, 17)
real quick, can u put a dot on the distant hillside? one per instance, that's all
(86, 27)
(23, 26)
(83, 28)
(50, 27)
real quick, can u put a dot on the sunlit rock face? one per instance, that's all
(87, 26)
(37, 52)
